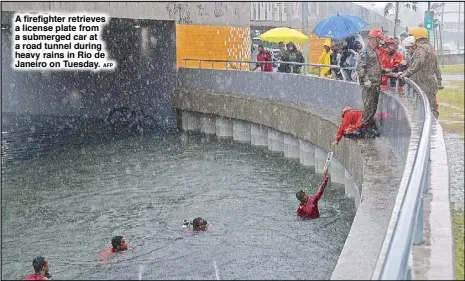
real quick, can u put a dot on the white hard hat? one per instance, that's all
(408, 42)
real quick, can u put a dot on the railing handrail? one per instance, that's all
(396, 262)
(395, 265)
(283, 62)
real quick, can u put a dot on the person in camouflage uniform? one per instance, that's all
(424, 68)
(369, 71)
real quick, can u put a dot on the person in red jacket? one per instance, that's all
(351, 121)
(390, 58)
(309, 205)
(40, 266)
(264, 56)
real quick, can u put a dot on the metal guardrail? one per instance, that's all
(229, 64)
(408, 229)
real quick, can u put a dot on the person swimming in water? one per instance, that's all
(40, 266)
(198, 224)
(118, 243)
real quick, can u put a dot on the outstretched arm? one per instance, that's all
(321, 190)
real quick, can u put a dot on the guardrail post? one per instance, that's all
(344, 78)
(212, 64)
(397, 85)
(185, 63)
(200, 64)
(418, 234)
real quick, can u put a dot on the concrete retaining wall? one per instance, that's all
(308, 108)
(291, 124)
(285, 131)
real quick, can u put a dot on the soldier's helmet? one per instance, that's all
(418, 32)
(376, 33)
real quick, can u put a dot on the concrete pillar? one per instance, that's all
(224, 127)
(337, 171)
(349, 185)
(275, 140)
(241, 131)
(320, 160)
(258, 135)
(190, 121)
(184, 137)
(307, 153)
(207, 124)
(291, 146)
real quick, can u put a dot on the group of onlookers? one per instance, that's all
(287, 53)
(382, 58)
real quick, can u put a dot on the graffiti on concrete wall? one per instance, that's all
(206, 12)
(219, 9)
(202, 10)
(180, 12)
(237, 11)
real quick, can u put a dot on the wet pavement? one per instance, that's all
(434, 259)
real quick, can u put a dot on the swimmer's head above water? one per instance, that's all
(40, 265)
(119, 244)
(302, 196)
(197, 224)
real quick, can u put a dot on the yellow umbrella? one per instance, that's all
(283, 34)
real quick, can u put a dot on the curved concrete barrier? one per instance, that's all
(308, 108)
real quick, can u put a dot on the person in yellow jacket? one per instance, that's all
(325, 59)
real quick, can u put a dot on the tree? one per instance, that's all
(393, 9)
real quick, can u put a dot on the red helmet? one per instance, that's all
(345, 109)
(376, 33)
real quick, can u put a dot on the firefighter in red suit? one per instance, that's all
(309, 205)
(351, 121)
(390, 58)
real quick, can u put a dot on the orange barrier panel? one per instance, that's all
(212, 42)
(315, 47)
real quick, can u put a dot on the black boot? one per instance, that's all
(367, 133)
(375, 132)
(353, 134)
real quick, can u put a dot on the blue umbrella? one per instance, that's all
(339, 26)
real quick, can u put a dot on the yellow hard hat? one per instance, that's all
(418, 32)
(327, 42)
